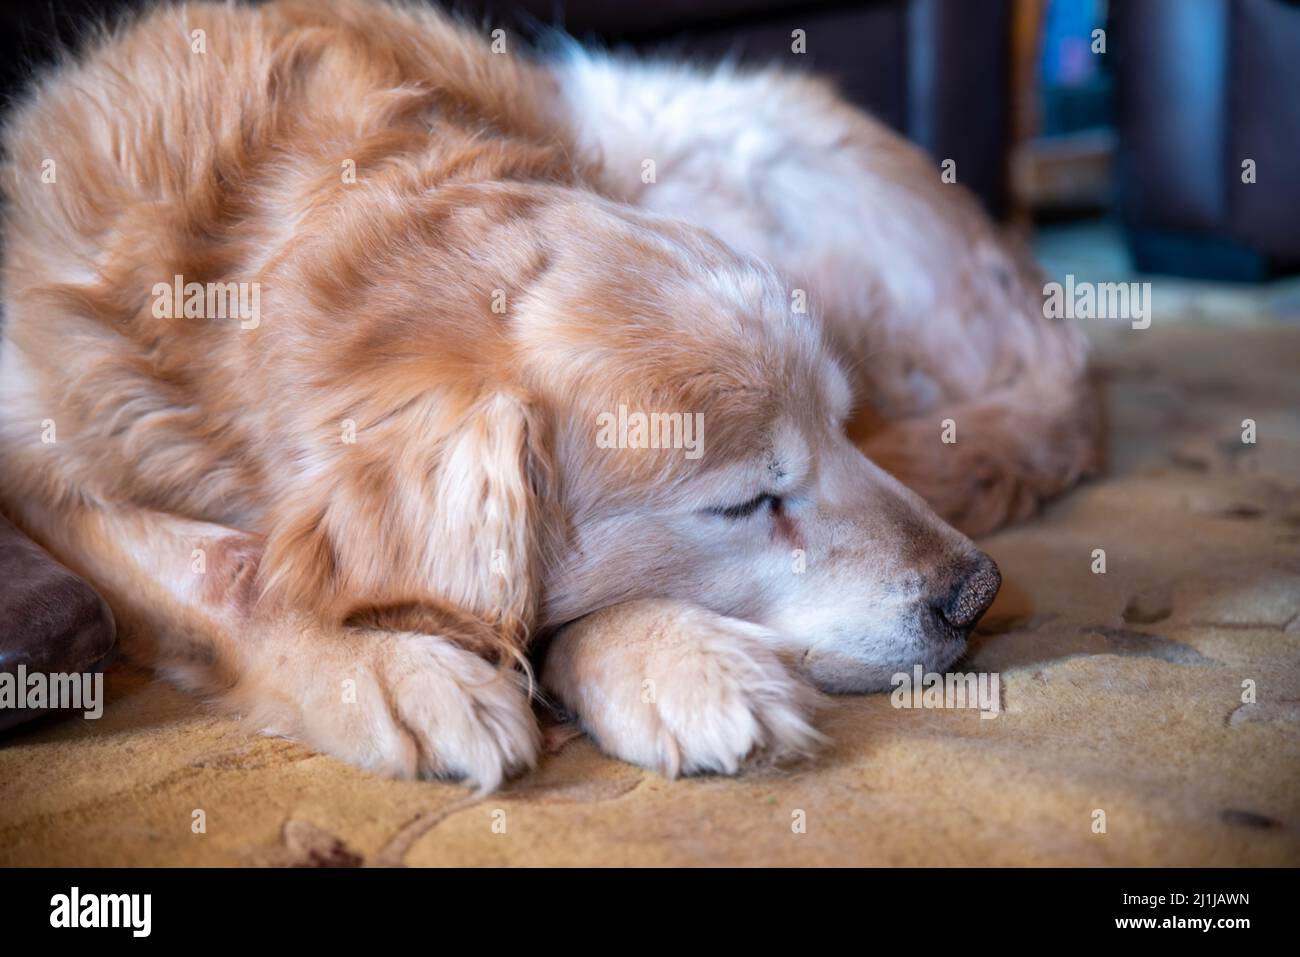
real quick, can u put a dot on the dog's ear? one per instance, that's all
(431, 520)
(490, 514)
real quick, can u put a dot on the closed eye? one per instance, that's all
(745, 509)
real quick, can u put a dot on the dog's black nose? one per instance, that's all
(976, 586)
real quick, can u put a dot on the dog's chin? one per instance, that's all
(838, 672)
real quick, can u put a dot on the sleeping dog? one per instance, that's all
(315, 319)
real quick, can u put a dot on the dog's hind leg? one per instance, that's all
(983, 462)
(183, 593)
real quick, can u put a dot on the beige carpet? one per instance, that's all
(1122, 693)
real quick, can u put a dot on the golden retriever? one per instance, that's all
(348, 352)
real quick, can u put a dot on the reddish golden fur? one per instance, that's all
(376, 310)
(222, 173)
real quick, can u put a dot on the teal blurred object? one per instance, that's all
(1075, 80)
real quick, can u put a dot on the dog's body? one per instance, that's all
(345, 516)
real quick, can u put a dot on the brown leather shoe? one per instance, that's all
(51, 621)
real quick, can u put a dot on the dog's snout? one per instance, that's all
(971, 595)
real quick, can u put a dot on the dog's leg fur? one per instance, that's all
(673, 687)
(184, 596)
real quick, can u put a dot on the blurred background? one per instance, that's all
(1153, 137)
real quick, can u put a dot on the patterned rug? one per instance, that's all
(1150, 714)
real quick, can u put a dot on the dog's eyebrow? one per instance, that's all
(780, 478)
(787, 459)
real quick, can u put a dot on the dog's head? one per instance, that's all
(696, 451)
(648, 415)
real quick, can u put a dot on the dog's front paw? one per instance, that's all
(403, 704)
(681, 690)
(468, 718)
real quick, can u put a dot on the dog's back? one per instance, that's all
(211, 144)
